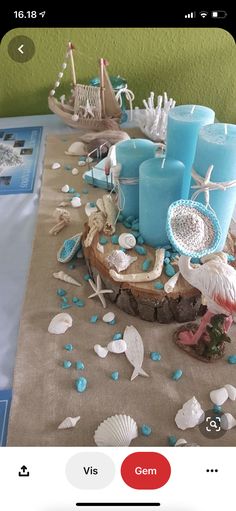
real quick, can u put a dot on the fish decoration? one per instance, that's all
(69, 248)
(134, 351)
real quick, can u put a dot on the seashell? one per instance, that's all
(76, 149)
(231, 392)
(90, 209)
(65, 189)
(190, 415)
(171, 283)
(69, 422)
(56, 165)
(57, 83)
(74, 171)
(60, 75)
(60, 323)
(100, 351)
(100, 248)
(69, 248)
(180, 442)
(227, 421)
(108, 317)
(117, 346)
(116, 431)
(120, 260)
(219, 396)
(61, 275)
(135, 351)
(127, 240)
(76, 202)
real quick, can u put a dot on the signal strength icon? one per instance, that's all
(203, 14)
(190, 15)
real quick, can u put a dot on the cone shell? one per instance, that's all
(116, 431)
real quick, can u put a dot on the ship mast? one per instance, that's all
(70, 51)
(102, 87)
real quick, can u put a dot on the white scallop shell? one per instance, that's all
(76, 149)
(219, 396)
(100, 351)
(56, 165)
(120, 260)
(231, 392)
(116, 431)
(69, 422)
(60, 323)
(76, 202)
(65, 188)
(108, 317)
(227, 421)
(127, 240)
(117, 346)
(74, 171)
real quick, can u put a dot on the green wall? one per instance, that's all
(193, 65)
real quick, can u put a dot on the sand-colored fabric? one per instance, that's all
(44, 392)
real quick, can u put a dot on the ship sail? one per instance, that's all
(112, 107)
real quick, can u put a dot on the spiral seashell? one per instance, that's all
(127, 240)
(116, 431)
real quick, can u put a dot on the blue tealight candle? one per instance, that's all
(217, 146)
(160, 184)
(130, 154)
(184, 123)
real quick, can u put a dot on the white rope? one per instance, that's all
(129, 95)
(205, 185)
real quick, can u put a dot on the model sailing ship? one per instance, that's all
(88, 107)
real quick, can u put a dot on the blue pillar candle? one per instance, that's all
(184, 123)
(130, 154)
(217, 146)
(160, 184)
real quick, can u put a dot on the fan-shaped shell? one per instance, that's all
(60, 323)
(116, 431)
(127, 240)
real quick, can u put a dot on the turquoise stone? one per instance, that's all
(82, 158)
(68, 347)
(159, 285)
(67, 364)
(115, 239)
(81, 384)
(72, 266)
(135, 225)
(87, 277)
(167, 253)
(103, 240)
(93, 319)
(80, 303)
(169, 270)
(61, 292)
(117, 336)
(195, 260)
(65, 306)
(172, 440)
(166, 260)
(155, 356)
(122, 249)
(217, 408)
(72, 190)
(140, 250)
(176, 375)
(85, 191)
(230, 258)
(120, 218)
(136, 234)
(146, 264)
(115, 375)
(79, 365)
(68, 167)
(146, 430)
(113, 322)
(75, 299)
(92, 204)
(130, 219)
(64, 299)
(127, 224)
(140, 240)
(232, 359)
(76, 194)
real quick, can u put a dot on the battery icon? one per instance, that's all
(219, 14)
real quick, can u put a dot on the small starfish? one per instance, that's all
(203, 184)
(88, 109)
(99, 291)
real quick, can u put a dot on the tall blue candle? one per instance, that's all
(160, 184)
(184, 123)
(217, 146)
(130, 154)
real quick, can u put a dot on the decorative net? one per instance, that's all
(87, 101)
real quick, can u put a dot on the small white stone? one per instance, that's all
(227, 421)
(76, 202)
(219, 396)
(100, 351)
(57, 84)
(108, 317)
(181, 441)
(75, 117)
(117, 346)
(231, 391)
(100, 248)
(52, 92)
(81, 163)
(65, 189)
(64, 65)
(60, 75)
(74, 171)
(56, 165)
(89, 159)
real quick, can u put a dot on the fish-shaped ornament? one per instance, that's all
(134, 351)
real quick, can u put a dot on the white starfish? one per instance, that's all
(88, 109)
(99, 291)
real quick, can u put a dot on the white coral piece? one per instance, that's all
(153, 121)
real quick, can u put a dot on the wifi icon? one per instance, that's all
(203, 14)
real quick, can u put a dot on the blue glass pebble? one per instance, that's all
(195, 260)
(65, 306)
(230, 258)
(159, 285)
(79, 365)
(80, 303)
(68, 347)
(76, 194)
(82, 158)
(140, 250)
(115, 239)
(232, 359)
(113, 322)
(120, 218)
(67, 364)
(64, 299)
(93, 319)
(169, 270)
(87, 277)
(75, 299)
(166, 260)
(61, 292)
(122, 249)
(167, 253)
(146, 264)
(68, 167)
(135, 225)
(115, 375)
(136, 234)
(146, 430)
(72, 266)
(103, 240)
(140, 240)
(81, 384)
(217, 408)
(130, 219)
(117, 336)
(72, 190)
(127, 224)
(155, 356)
(176, 375)
(172, 440)
(85, 191)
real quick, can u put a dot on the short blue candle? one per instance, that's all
(130, 154)
(184, 123)
(160, 184)
(217, 146)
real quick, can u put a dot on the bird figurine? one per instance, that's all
(217, 282)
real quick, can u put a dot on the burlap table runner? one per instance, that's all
(44, 392)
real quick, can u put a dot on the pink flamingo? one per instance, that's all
(217, 282)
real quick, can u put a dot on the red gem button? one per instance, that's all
(145, 470)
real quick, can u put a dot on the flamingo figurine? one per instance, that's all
(217, 282)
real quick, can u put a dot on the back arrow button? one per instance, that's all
(20, 49)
